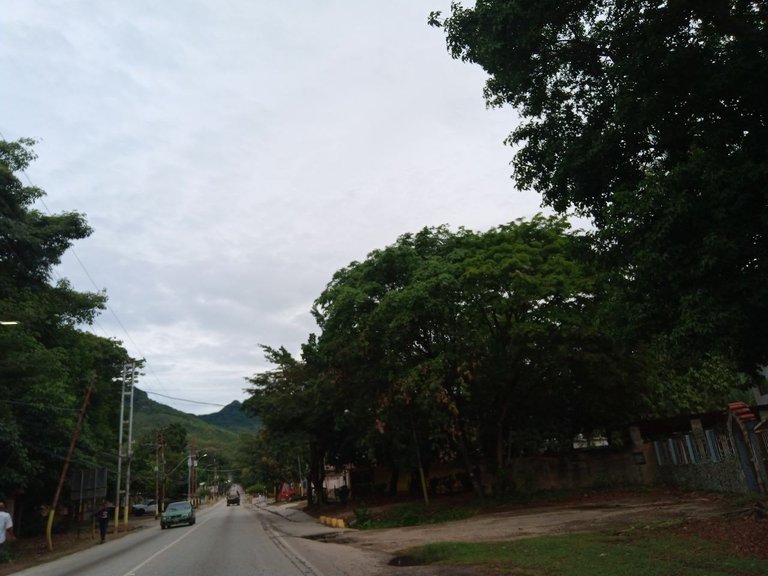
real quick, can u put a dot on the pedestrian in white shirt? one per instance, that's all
(6, 527)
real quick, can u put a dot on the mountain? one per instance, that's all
(218, 432)
(232, 417)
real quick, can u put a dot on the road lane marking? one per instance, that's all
(132, 571)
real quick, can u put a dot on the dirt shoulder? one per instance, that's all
(613, 511)
(719, 519)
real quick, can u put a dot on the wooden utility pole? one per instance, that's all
(159, 458)
(72, 442)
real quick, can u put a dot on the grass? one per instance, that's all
(646, 552)
(411, 514)
(446, 509)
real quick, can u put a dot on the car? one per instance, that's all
(148, 507)
(233, 498)
(287, 494)
(177, 513)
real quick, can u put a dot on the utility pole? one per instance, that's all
(75, 435)
(194, 478)
(132, 382)
(158, 449)
(161, 503)
(120, 453)
(215, 478)
(190, 468)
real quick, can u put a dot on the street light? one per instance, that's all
(9, 322)
(191, 475)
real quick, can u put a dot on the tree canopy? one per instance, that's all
(649, 118)
(46, 360)
(454, 344)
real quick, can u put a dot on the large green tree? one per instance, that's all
(294, 403)
(465, 340)
(46, 361)
(650, 118)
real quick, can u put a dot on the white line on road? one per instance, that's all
(132, 571)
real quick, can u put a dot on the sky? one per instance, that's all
(230, 156)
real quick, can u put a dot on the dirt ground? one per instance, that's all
(716, 518)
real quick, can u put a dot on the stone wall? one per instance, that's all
(724, 476)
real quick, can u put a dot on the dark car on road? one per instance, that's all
(177, 513)
(233, 498)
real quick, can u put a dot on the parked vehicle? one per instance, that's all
(148, 507)
(287, 494)
(177, 513)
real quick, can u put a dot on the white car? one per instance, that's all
(148, 507)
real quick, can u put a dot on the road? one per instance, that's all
(281, 540)
(231, 540)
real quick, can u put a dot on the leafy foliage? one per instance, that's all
(647, 117)
(445, 344)
(46, 361)
(296, 408)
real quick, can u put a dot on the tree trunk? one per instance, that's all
(472, 469)
(394, 478)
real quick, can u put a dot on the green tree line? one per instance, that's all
(47, 361)
(474, 347)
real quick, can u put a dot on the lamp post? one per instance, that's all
(192, 475)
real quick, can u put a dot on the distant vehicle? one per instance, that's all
(287, 494)
(233, 498)
(148, 507)
(177, 513)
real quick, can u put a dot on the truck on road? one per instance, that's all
(233, 497)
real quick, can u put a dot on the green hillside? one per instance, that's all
(149, 415)
(232, 417)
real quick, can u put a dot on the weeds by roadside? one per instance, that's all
(648, 551)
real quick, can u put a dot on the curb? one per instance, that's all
(333, 522)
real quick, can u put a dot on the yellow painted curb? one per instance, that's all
(333, 522)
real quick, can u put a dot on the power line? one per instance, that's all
(184, 399)
(111, 311)
(106, 303)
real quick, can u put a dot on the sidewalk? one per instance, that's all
(299, 523)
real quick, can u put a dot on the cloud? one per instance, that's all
(232, 156)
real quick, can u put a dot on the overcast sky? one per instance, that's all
(232, 155)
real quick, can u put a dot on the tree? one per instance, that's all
(647, 117)
(46, 361)
(265, 459)
(461, 339)
(293, 402)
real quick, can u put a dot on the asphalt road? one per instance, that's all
(225, 540)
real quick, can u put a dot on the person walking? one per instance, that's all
(6, 528)
(102, 515)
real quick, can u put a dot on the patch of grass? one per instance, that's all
(412, 514)
(655, 552)
(362, 517)
(8, 553)
(455, 507)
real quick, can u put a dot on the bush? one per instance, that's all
(362, 516)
